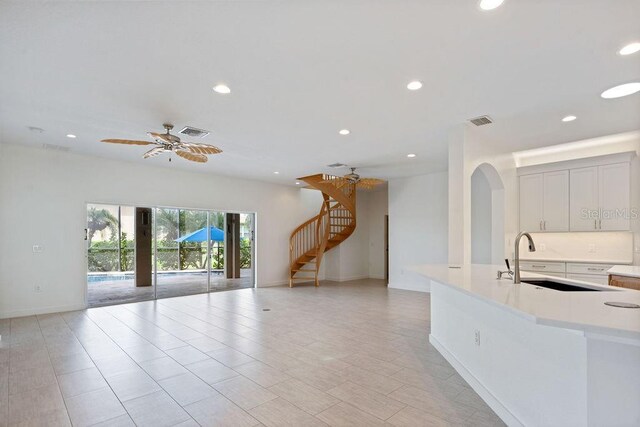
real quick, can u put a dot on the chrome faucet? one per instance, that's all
(516, 261)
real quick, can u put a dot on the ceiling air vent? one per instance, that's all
(337, 165)
(194, 132)
(481, 121)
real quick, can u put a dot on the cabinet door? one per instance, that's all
(531, 199)
(615, 196)
(556, 201)
(583, 199)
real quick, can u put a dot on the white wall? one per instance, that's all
(43, 196)
(418, 212)
(481, 219)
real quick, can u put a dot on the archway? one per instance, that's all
(487, 216)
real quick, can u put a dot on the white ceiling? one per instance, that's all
(300, 70)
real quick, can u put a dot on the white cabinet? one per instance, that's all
(544, 201)
(592, 194)
(600, 198)
(614, 185)
(583, 204)
(592, 273)
(556, 201)
(531, 202)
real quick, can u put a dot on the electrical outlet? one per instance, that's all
(543, 247)
(477, 337)
(592, 248)
(37, 288)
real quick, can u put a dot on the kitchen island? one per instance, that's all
(537, 356)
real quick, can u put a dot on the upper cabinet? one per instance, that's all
(584, 203)
(556, 201)
(614, 189)
(593, 197)
(544, 201)
(531, 201)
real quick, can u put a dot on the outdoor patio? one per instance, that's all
(121, 289)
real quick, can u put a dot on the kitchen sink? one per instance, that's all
(558, 286)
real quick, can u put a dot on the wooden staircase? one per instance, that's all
(335, 222)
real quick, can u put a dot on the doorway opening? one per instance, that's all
(487, 216)
(144, 253)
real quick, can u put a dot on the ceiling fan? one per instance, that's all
(166, 142)
(355, 179)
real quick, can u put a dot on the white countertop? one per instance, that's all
(625, 270)
(583, 311)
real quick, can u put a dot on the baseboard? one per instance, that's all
(271, 284)
(347, 279)
(476, 385)
(411, 287)
(44, 310)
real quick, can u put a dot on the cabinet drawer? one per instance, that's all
(625, 282)
(543, 267)
(596, 269)
(591, 278)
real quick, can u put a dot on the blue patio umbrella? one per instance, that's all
(215, 233)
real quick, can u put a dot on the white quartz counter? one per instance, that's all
(625, 270)
(583, 311)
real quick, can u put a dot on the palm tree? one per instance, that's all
(99, 220)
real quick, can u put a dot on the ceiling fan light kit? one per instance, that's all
(167, 142)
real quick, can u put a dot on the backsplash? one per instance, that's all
(599, 247)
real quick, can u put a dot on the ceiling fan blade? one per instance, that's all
(200, 148)
(128, 142)
(194, 157)
(160, 137)
(153, 152)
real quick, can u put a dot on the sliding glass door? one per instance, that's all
(136, 254)
(111, 256)
(187, 246)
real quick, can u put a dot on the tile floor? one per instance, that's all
(354, 353)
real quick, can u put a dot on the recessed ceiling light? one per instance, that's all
(411, 156)
(70, 135)
(277, 173)
(490, 4)
(297, 182)
(569, 118)
(414, 85)
(621, 90)
(630, 48)
(344, 132)
(221, 88)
